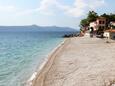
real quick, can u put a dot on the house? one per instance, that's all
(101, 23)
(106, 34)
(93, 24)
(110, 34)
(100, 26)
(112, 25)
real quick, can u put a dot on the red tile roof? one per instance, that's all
(110, 30)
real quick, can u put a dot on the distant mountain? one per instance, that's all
(36, 28)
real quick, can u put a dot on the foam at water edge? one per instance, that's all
(29, 82)
(34, 75)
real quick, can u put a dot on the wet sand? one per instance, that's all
(83, 61)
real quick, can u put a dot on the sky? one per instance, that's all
(63, 13)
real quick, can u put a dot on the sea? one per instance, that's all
(21, 53)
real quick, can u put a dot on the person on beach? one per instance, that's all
(91, 32)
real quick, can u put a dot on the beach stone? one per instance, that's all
(84, 61)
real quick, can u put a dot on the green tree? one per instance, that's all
(109, 17)
(92, 16)
(112, 17)
(84, 22)
(105, 15)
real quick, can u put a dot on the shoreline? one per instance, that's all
(84, 62)
(46, 65)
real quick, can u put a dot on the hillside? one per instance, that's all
(36, 28)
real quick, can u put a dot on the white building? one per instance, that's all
(94, 25)
(110, 34)
(112, 24)
(100, 23)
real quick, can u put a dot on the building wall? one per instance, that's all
(112, 25)
(101, 23)
(94, 25)
(112, 35)
(107, 34)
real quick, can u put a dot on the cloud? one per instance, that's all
(26, 12)
(77, 9)
(96, 4)
(44, 8)
(47, 5)
(9, 8)
(80, 7)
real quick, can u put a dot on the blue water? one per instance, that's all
(22, 52)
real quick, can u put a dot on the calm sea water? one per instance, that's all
(22, 52)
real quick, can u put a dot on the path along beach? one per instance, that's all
(83, 61)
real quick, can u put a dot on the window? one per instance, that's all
(99, 22)
(113, 37)
(99, 27)
(103, 27)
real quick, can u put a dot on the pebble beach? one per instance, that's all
(84, 61)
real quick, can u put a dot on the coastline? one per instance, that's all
(39, 75)
(84, 61)
(81, 61)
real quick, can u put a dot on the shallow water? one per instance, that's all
(22, 52)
